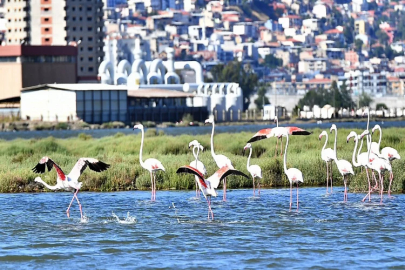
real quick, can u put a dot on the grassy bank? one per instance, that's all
(17, 157)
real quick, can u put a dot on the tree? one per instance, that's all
(235, 72)
(338, 98)
(382, 36)
(358, 43)
(261, 97)
(364, 100)
(381, 106)
(348, 35)
(273, 62)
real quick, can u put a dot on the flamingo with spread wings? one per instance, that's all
(151, 164)
(277, 132)
(69, 182)
(197, 164)
(207, 186)
(220, 160)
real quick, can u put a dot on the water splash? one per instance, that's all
(175, 212)
(127, 220)
(84, 219)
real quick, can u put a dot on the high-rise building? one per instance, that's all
(55, 22)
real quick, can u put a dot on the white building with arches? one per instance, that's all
(223, 100)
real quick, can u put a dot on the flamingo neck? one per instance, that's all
(368, 125)
(248, 161)
(369, 150)
(55, 187)
(194, 154)
(326, 141)
(285, 154)
(360, 147)
(141, 150)
(212, 140)
(379, 141)
(354, 152)
(334, 146)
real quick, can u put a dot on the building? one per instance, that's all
(58, 23)
(311, 65)
(92, 103)
(102, 103)
(366, 81)
(25, 66)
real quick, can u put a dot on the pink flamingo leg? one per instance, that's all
(281, 145)
(290, 195)
(369, 187)
(254, 194)
(151, 182)
(275, 154)
(224, 188)
(68, 209)
(389, 187)
(376, 182)
(331, 186)
(382, 187)
(154, 186)
(297, 196)
(80, 206)
(327, 177)
(258, 184)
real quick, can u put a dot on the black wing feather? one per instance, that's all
(257, 138)
(185, 169)
(97, 167)
(235, 172)
(302, 132)
(39, 168)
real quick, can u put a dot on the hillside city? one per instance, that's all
(286, 47)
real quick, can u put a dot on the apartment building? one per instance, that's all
(52, 22)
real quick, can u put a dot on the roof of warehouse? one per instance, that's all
(76, 87)
(158, 93)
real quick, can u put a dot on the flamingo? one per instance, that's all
(197, 164)
(207, 186)
(281, 153)
(277, 132)
(294, 175)
(69, 182)
(388, 153)
(362, 159)
(327, 155)
(151, 164)
(344, 167)
(254, 170)
(220, 160)
(378, 164)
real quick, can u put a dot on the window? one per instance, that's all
(81, 68)
(90, 49)
(89, 28)
(90, 59)
(80, 8)
(81, 58)
(80, 18)
(90, 69)
(46, 19)
(73, 8)
(46, 9)
(46, 29)
(89, 19)
(73, 18)
(90, 39)
(88, 8)
(47, 39)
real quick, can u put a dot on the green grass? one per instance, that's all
(17, 157)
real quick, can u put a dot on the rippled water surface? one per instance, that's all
(248, 232)
(195, 130)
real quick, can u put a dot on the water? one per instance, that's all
(247, 233)
(195, 130)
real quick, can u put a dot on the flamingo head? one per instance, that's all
(195, 143)
(375, 128)
(37, 179)
(351, 135)
(323, 133)
(366, 132)
(247, 146)
(333, 127)
(139, 126)
(208, 121)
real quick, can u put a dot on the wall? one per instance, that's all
(10, 78)
(42, 73)
(50, 104)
